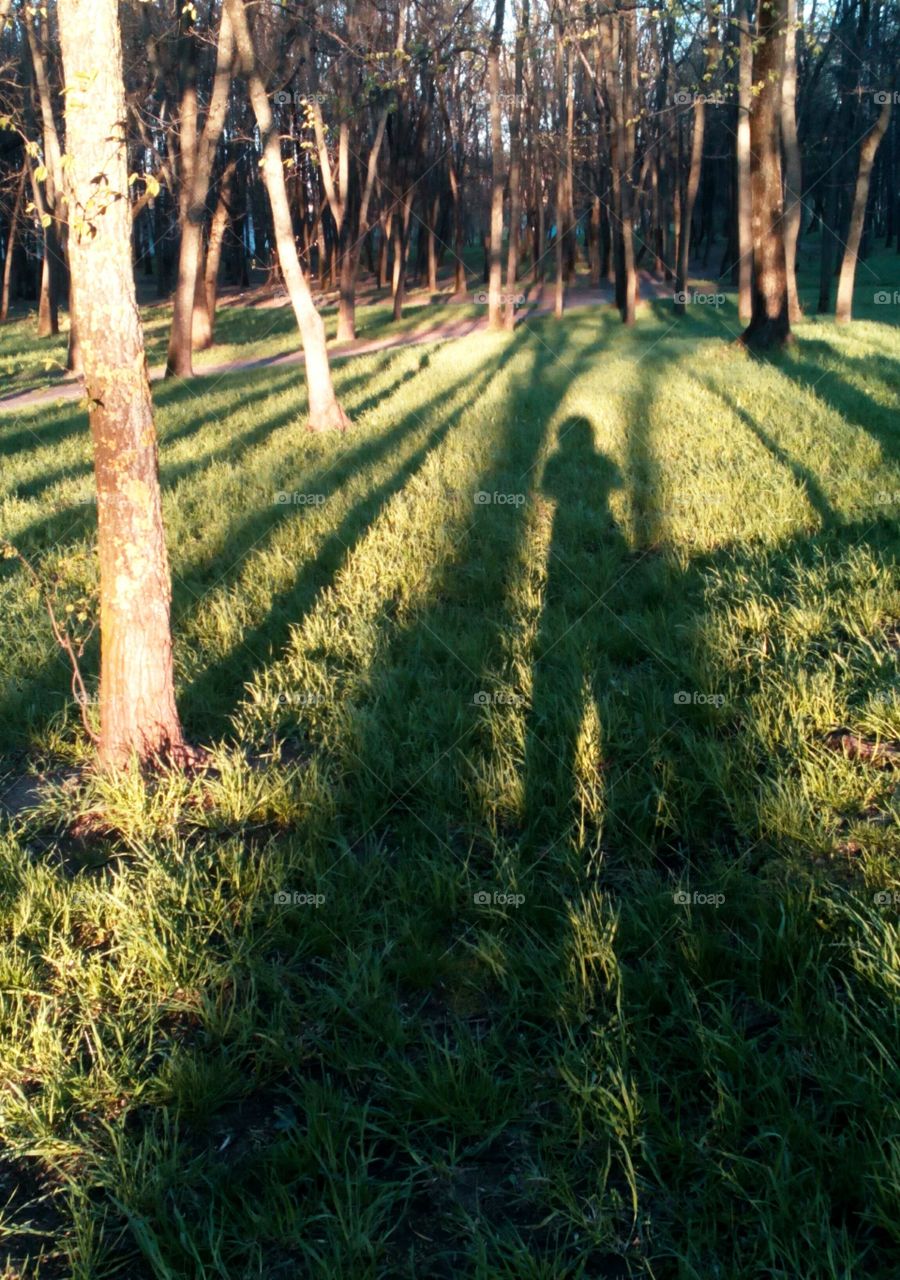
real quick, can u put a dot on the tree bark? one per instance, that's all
(216, 242)
(138, 717)
(792, 166)
(11, 244)
(324, 411)
(190, 321)
(870, 144)
(696, 162)
(744, 199)
(769, 320)
(498, 179)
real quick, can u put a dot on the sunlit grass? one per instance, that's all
(605, 687)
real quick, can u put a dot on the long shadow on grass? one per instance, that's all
(221, 683)
(668, 784)
(232, 388)
(879, 420)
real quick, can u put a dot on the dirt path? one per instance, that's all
(539, 304)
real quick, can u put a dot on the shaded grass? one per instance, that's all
(605, 687)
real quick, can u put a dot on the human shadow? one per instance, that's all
(585, 554)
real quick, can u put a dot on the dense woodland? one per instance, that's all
(554, 137)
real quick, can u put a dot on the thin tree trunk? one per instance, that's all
(559, 301)
(693, 181)
(515, 171)
(216, 242)
(867, 152)
(792, 165)
(350, 258)
(744, 200)
(324, 411)
(138, 716)
(11, 244)
(495, 275)
(191, 326)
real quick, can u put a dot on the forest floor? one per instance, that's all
(527, 924)
(249, 336)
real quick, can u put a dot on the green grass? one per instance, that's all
(599, 1080)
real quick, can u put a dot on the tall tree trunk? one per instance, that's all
(744, 200)
(495, 275)
(11, 244)
(867, 152)
(324, 411)
(627, 142)
(769, 320)
(137, 699)
(216, 242)
(350, 258)
(559, 289)
(191, 326)
(693, 181)
(792, 167)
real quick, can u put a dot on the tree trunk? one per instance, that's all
(324, 411)
(559, 301)
(867, 152)
(48, 306)
(191, 325)
(769, 320)
(11, 245)
(495, 275)
(137, 699)
(216, 242)
(792, 166)
(744, 201)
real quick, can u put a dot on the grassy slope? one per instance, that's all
(600, 1081)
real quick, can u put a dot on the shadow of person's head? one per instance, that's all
(577, 467)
